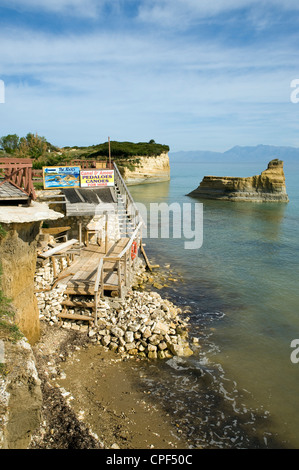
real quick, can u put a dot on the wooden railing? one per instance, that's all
(99, 278)
(18, 172)
(129, 203)
(98, 164)
(123, 264)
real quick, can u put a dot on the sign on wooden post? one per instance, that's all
(61, 177)
(90, 178)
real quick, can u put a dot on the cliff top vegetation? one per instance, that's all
(44, 153)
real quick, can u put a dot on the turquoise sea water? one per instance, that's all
(241, 388)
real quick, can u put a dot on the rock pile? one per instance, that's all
(50, 304)
(143, 324)
(45, 272)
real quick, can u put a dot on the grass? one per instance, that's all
(38, 185)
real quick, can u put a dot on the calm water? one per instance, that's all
(241, 389)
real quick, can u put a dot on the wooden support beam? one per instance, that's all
(106, 233)
(145, 258)
(58, 248)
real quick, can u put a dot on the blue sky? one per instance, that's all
(193, 74)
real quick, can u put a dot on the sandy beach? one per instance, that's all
(91, 399)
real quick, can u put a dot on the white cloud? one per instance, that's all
(85, 8)
(181, 13)
(80, 89)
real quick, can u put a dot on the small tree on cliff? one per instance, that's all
(10, 143)
(32, 146)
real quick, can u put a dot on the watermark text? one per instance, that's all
(295, 93)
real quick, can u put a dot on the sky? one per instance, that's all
(192, 74)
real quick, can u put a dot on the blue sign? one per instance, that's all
(61, 177)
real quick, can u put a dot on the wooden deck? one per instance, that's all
(80, 277)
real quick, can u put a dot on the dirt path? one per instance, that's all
(91, 400)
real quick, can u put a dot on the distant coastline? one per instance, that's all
(259, 153)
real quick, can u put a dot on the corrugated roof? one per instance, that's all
(89, 201)
(10, 192)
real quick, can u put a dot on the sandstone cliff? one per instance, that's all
(148, 170)
(269, 186)
(20, 396)
(18, 245)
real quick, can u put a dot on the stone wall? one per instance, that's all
(269, 186)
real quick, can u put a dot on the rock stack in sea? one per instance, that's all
(269, 186)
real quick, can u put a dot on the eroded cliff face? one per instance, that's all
(20, 396)
(269, 186)
(20, 227)
(18, 259)
(149, 170)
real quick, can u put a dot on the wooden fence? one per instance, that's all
(18, 172)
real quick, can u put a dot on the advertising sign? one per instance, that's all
(61, 177)
(90, 178)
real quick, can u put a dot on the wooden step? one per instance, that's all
(79, 291)
(73, 316)
(77, 304)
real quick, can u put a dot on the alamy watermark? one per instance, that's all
(295, 93)
(2, 92)
(181, 221)
(295, 353)
(162, 220)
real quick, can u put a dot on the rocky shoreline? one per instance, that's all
(143, 324)
(80, 412)
(91, 399)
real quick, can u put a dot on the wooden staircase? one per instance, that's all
(70, 303)
(97, 274)
(104, 270)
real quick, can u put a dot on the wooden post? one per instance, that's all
(102, 282)
(106, 233)
(80, 233)
(109, 152)
(119, 277)
(96, 309)
(130, 267)
(126, 270)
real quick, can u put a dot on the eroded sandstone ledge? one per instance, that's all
(149, 170)
(269, 186)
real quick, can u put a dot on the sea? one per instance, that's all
(240, 291)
